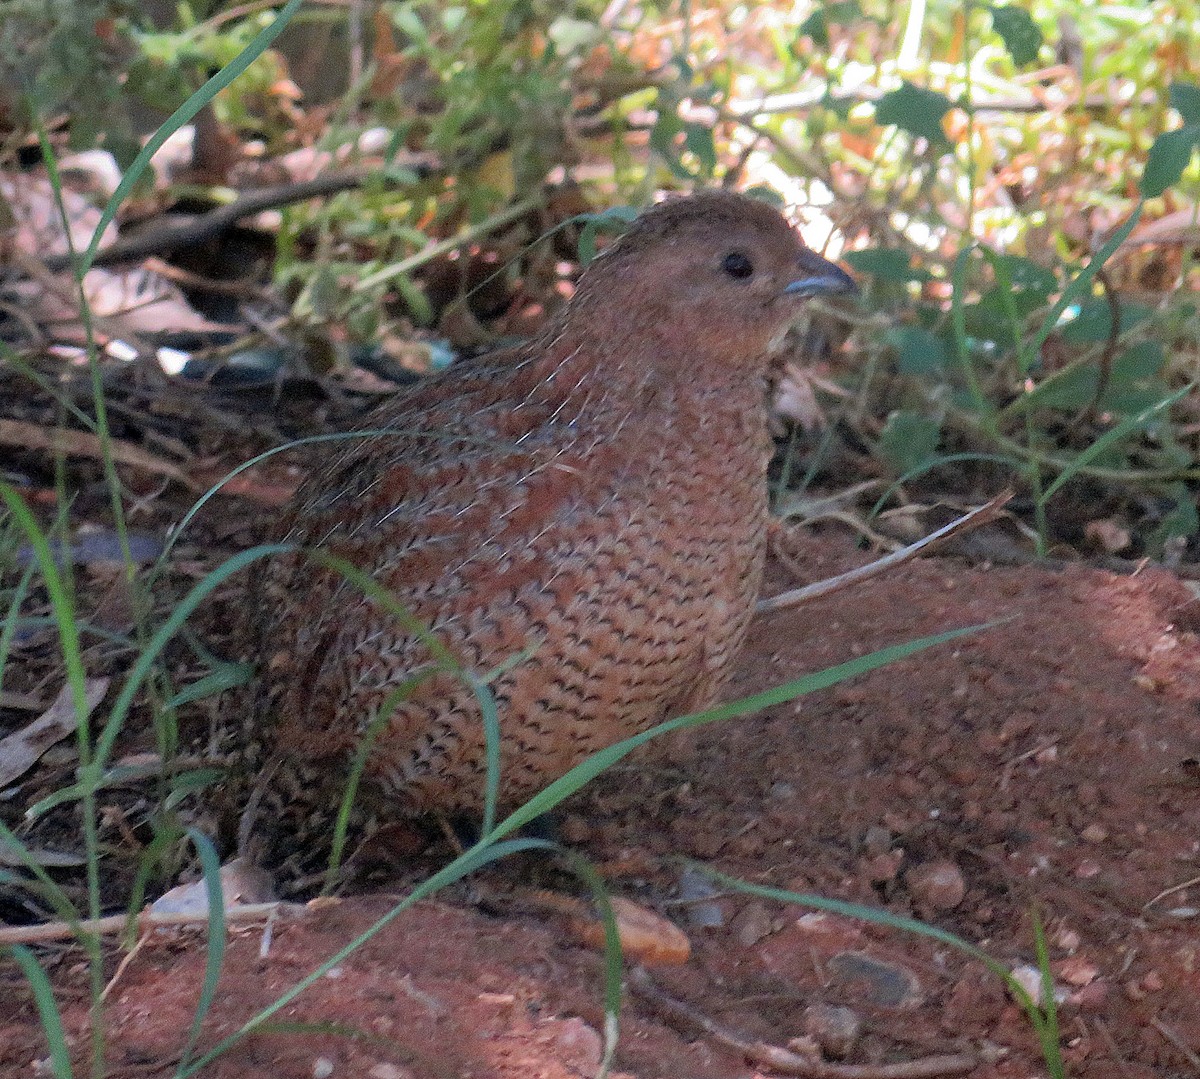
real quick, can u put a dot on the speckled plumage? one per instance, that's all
(598, 493)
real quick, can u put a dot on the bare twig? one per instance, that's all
(784, 1060)
(1188, 1053)
(1170, 891)
(171, 235)
(116, 923)
(986, 513)
(32, 436)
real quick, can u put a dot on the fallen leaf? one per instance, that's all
(241, 883)
(646, 937)
(21, 749)
(51, 859)
(32, 436)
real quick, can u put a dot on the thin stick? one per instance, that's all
(115, 923)
(784, 1060)
(171, 235)
(1170, 891)
(121, 967)
(1176, 1040)
(986, 513)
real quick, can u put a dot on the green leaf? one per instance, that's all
(1185, 100)
(918, 352)
(1143, 360)
(886, 263)
(662, 139)
(1024, 273)
(226, 676)
(1092, 323)
(615, 219)
(698, 138)
(1070, 389)
(917, 111)
(766, 193)
(988, 321)
(1127, 398)
(1169, 156)
(1113, 438)
(909, 439)
(1182, 520)
(816, 26)
(1018, 31)
(1132, 385)
(834, 13)
(414, 299)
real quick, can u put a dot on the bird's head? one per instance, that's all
(724, 274)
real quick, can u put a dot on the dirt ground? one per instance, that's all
(1048, 765)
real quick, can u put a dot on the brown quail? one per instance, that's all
(596, 495)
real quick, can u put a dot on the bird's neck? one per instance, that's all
(645, 362)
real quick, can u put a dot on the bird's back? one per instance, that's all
(582, 522)
(518, 508)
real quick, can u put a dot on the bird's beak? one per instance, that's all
(819, 277)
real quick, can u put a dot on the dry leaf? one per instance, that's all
(241, 883)
(646, 937)
(21, 749)
(32, 436)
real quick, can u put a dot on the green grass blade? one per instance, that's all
(1082, 281)
(1126, 427)
(604, 759)
(43, 996)
(1047, 1028)
(473, 859)
(1044, 1022)
(92, 774)
(60, 603)
(214, 956)
(310, 440)
(358, 765)
(937, 462)
(8, 628)
(187, 111)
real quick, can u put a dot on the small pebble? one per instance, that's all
(882, 868)
(875, 981)
(579, 1043)
(752, 923)
(574, 829)
(322, 1068)
(877, 840)
(646, 937)
(937, 885)
(1094, 833)
(1066, 939)
(835, 1029)
(1077, 971)
(1029, 978)
(1091, 998)
(389, 1071)
(694, 887)
(806, 1047)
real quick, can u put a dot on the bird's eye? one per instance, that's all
(737, 265)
